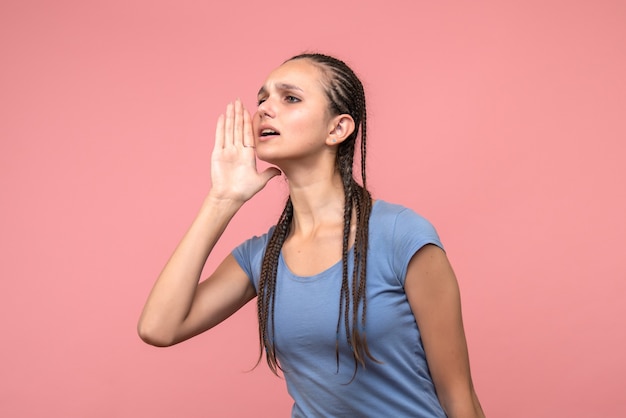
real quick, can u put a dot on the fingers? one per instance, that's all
(228, 125)
(234, 128)
(238, 128)
(219, 133)
(248, 135)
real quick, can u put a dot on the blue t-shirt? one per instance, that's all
(305, 321)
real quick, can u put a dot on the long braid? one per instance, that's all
(267, 287)
(361, 100)
(344, 297)
(344, 159)
(346, 96)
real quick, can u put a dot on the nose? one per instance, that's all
(266, 109)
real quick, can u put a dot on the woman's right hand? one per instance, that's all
(234, 175)
(179, 306)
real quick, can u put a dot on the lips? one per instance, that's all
(266, 132)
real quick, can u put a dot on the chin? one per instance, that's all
(270, 159)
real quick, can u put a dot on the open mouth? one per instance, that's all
(268, 132)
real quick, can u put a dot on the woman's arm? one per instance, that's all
(178, 307)
(433, 294)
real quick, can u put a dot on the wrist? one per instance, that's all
(226, 204)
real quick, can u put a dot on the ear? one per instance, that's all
(340, 128)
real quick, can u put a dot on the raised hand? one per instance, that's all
(234, 175)
(178, 306)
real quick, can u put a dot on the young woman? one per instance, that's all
(357, 303)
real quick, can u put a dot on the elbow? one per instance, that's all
(462, 405)
(153, 335)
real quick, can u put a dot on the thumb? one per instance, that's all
(270, 173)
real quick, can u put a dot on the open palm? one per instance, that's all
(234, 174)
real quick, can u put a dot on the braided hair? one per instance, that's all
(346, 96)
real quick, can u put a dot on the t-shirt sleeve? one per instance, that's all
(411, 232)
(249, 254)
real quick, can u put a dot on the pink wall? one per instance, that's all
(502, 122)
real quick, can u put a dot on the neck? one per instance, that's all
(318, 200)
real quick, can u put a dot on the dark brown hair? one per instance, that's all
(346, 96)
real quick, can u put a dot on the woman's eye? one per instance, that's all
(292, 99)
(259, 101)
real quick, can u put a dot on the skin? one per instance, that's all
(293, 103)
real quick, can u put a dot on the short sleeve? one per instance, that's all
(249, 254)
(411, 232)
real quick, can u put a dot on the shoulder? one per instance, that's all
(399, 232)
(390, 216)
(255, 243)
(249, 254)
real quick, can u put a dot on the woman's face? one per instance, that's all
(292, 121)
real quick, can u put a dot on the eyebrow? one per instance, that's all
(280, 86)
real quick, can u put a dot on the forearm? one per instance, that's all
(170, 315)
(172, 295)
(466, 406)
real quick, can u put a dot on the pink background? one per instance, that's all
(504, 123)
